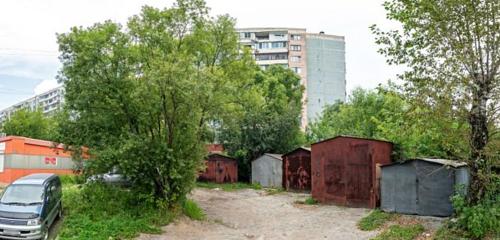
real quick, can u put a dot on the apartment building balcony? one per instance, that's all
(272, 62)
(271, 50)
(247, 41)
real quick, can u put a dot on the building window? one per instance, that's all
(264, 57)
(295, 37)
(247, 35)
(297, 70)
(278, 44)
(280, 35)
(295, 58)
(295, 47)
(263, 45)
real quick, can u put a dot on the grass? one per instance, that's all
(307, 201)
(374, 220)
(310, 201)
(104, 212)
(228, 186)
(398, 232)
(273, 191)
(192, 210)
(448, 233)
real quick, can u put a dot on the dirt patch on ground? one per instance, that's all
(253, 214)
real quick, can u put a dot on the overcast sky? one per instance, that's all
(28, 48)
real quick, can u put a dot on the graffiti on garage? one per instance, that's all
(297, 170)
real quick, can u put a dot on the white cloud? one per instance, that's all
(31, 25)
(46, 85)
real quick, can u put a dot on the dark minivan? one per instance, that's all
(29, 206)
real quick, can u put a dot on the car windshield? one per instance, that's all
(22, 194)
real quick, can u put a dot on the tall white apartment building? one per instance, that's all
(48, 102)
(319, 60)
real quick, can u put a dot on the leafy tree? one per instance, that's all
(383, 113)
(266, 118)
(32, 124)
(452, 51)
(141, 97)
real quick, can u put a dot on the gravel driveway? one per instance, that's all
(253, 214)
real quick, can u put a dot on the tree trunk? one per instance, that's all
(478, 138)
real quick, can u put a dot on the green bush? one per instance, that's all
(67, 179)
(72, 179)
(397, 232)
(98, 211)
(374, 220)
(480, 219)
(192, 210)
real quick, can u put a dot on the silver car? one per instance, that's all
(29, 206)
(113, 177)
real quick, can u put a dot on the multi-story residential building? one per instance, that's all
(319, 60)
(48, 102)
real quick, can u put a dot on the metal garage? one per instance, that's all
(421, 186)
(267, 170)
(345, 170)
(297, 170)
(220, 169)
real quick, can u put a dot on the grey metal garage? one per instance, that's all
(421, 186)
(267, 170)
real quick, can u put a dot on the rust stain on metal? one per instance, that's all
(345, 170)
(215, 148)
(220, 169)
(297, 170)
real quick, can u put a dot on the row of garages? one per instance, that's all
(348, 171)
(354, 172)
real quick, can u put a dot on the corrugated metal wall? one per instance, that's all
(297, 170)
